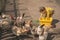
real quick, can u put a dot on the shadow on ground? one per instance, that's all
(54, 22)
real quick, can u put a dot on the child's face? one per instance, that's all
(44, 12)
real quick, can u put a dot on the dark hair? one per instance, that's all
(41, 26)
(42, 9)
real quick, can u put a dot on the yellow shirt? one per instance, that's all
(49, 11)
(48, 20)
